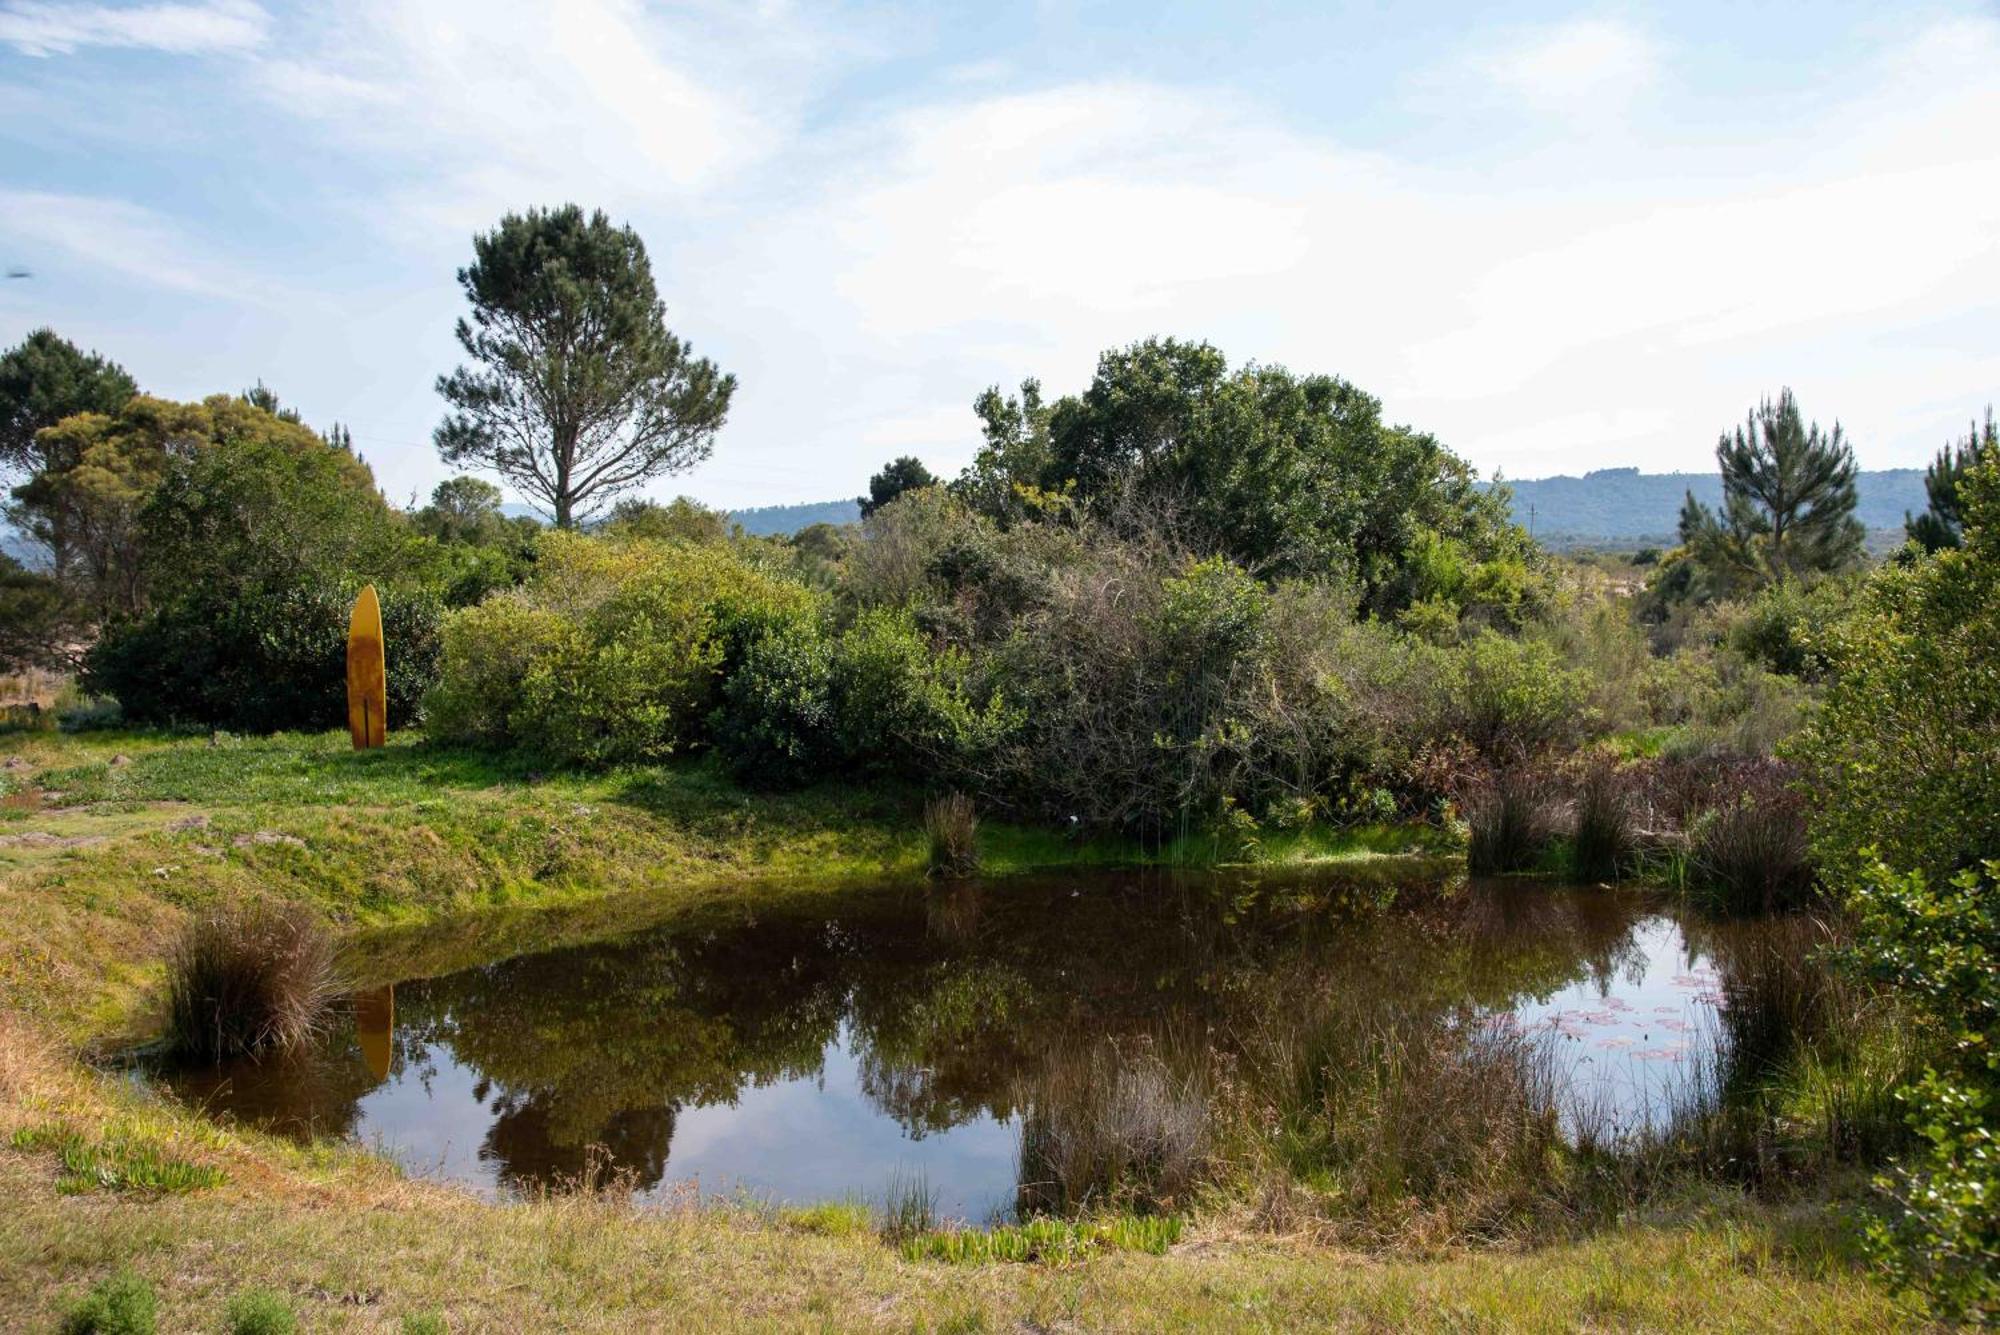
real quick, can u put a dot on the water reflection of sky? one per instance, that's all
(1630, 1043)
(814, 1058)
(788, 1141)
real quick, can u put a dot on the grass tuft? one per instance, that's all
(1509, 822)
(124, 1304)
(1046, 1240)
(120, 1161)
(260, 1312)
(1751, 855)
(952, 826)
(909, 1208)
(1603, 838)
(246, 980)
(1108, 1127)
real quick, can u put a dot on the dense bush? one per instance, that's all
(1904, 763)
(249, 549)
(613, 651)
(904, 703)
(775, 723)
(262, 661)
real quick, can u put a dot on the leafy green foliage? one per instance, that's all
(1902, 759)
(44, 379)
(904, 704)
(263, 661)
(242, 565)
(1902, 755)
(612, 652)
(1285, 474)
(680, 520)
(577, 393)
(897, 476)
(775, 723)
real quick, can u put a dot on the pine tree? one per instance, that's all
(577, 393)
(1943, 524)
(1788, 498)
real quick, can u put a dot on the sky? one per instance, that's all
(1560, 238)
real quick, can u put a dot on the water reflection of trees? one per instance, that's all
(954, 1000)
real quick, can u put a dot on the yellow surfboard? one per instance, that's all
(367, 674)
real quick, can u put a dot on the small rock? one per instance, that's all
(42, 839)
(267, 837)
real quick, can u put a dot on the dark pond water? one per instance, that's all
(821, 1053)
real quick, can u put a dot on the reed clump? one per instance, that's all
(248, 979)
(1751, 854)
(952, 825)
(1115, 1128)
(1603, 824)
(1509, 822)
(1423, 1131)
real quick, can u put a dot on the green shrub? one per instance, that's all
(614, 651)
(902, 703)
(262, 661)
(260, 1312)
(124, 1304)
(1903, 760)
(775, 724)
(486, 653)
(1517, 698)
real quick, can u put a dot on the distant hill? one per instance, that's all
(765, 519)
(1609, 506)
(1624, 505)
(758, 520)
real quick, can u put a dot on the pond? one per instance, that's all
(911, 1033)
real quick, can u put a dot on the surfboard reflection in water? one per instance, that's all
(375, 1025)
(818, 1050)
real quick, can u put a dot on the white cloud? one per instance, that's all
(1566, 301)
(41, 28)
(118, 237)
(1574, 65)
(505, 104)
(1625, 315)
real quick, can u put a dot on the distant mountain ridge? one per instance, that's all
(1628, 506)
(1606, 505)
(767, 519)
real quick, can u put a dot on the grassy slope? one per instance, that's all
(410, 836)
(132, 830)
